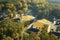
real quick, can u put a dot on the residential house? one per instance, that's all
(58, 24)
(43, 23)
(28, 19)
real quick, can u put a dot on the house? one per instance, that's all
(57, 22)
(23, 18)
(17, 19)
(32, 30)
(27, 19)
(57, 26)
(43, 23)
(57, 33)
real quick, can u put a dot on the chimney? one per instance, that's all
(54, 20)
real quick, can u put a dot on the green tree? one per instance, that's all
(9, 12)
(1, 6)
(7, 38)
(20, 5)
(25, 10)
(53, 37)
(25, 36)
(45, 36)
(20, 12)
(9, 5)
(34, 36)
(11, 29)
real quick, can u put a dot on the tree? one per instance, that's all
(25, 5)
(20, 5)
(1, 7)
(11, 29)
(25, 36)
(25, 10)
(9, 12)
(34, 36)
(14, 13)
(20, 12)
(41, 8)
(7, 38)
(9, 5)
(45, 36)
(53, 37)
(55, 12)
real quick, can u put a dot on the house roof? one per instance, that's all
(45, 21)
(41, 23)
(27, 18)
(24, 18)
(33, 30)
(55, 33)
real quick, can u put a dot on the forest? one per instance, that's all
(11, 30)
